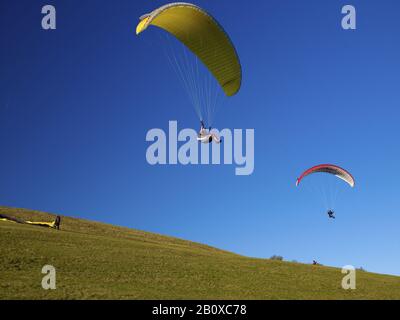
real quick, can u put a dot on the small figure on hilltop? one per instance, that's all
(57, 223)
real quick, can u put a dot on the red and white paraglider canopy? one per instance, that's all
(331, 169)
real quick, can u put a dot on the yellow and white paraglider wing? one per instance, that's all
(203, 35)
(42, 224)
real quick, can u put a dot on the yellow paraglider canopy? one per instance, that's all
(203, 35)
(55, 224)
(42, 224)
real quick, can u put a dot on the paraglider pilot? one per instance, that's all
(331, 214)
(205, 136)
(57, 223)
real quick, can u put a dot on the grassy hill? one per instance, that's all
(99, 261)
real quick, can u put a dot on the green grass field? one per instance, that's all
(99, 261)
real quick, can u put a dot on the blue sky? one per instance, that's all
(76, 104)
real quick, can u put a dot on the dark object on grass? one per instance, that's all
(57, 223)
(6, 217)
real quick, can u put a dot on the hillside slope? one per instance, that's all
(99, 261)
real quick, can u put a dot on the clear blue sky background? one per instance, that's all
(76, 104)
